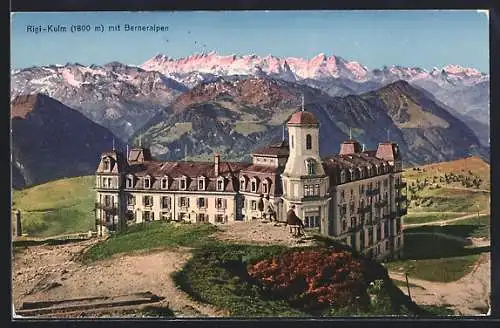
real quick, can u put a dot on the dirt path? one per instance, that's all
(51, 273)
(467, 296)
(444, 222)
(468, 189)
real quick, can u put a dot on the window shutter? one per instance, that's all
(206, 202)
(152, 215)
(225, 203)
(187, 201)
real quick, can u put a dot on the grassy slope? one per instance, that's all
(57, 207)
(149, 236)
(447, 198)
(434, 258)
(461, 166)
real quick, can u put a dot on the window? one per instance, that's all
(220, 203)
(386, 229)
(183, 184)
(106, 182)
(107, 200)
(131, 200)
(184, 202)
(312, 221)
(254, 205)
(164, 183)
(308, 141)
(316, 190)
(147, 182)
(342, 176)
(306, 191)
(311, 167)
(148, 216)
(202, 202)
(265, 187)
(130, 182)
(291, 142)
(242, 184)
(219, 218)
(386, 245)
(369, 171)
(361, 173)
(342, 195)
(362, 189)
(201, 183)
(344, 225)
(201, 217)
(351, 174)
(106, 165)
(165, 202)
(147, 200)
(220, 184)
(254, 185)
(166, 216)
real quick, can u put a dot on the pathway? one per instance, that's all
(444, 222)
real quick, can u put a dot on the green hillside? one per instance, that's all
(57, 207)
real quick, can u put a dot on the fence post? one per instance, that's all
(408, 285)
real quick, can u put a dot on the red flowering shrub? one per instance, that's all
(314, 278)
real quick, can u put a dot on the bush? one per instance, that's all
(313, 279)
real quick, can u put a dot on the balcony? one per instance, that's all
(108, 207)
(372, 192)
(381, 203)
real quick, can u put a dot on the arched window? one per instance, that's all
(308, 141)
(311, 167)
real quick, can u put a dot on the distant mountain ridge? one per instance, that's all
(124, 98)
(238, 114)
(51, 140)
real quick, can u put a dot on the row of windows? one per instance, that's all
(311, 190)
(308, 141)
(200, 217)
(147, 183)
(360, 173)
(166, 202)
(254, 186)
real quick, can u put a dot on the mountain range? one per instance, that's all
(193, 106)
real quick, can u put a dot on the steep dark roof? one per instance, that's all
(276, 150)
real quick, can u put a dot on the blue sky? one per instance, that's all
(373, 38)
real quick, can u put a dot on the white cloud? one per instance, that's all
(484, 12)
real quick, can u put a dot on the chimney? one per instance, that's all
(216, 162)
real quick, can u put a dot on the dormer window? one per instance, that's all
(106, 164)
(164, 183)
(311, 167)
(201, 183)
(242, 184)
(130, 181)
(369, 171)
(342, 176)
(351, 172)
(265, 187)
(220, 184)
(361, 173)
(147, 182)
(253, 185)
(183, 183)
